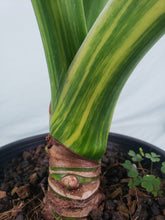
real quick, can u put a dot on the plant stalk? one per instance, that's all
(73, 184)
(141, 167)
(151, 167)
(121, 36)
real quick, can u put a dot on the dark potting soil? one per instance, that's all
(23, 182)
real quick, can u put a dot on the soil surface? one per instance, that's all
(23, 182)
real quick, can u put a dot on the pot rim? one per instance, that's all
(13, 149)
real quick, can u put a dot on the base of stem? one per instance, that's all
(70, 208)
(73, 190)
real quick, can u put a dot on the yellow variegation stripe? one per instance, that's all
(63, 28)
(92, 10)
(121, 36)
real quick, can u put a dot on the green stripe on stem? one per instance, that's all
(92, 10)
(73, 169)
(82, 180)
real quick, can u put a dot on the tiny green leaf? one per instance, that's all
(147, 185)
(154, 154)
(153, 157)
(141, 152)
(147, 155)
(138, 158)
(151, 184)
(163, 167)
(160, 193)
(135, 182)
(148, 178)
(127, 164)
(156, 183)
(131, 153)
(132, 172)
(135, 157)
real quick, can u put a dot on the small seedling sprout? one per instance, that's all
(152, 184)
(132, 173)
(136, 158)
(153, 157)
(141, 151)
(148, 181)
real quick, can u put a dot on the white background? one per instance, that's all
(25, 92)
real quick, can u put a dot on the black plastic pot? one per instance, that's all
(124, 143)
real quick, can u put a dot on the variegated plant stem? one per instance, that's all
(123, 33)
(61, 37)
(87, 73)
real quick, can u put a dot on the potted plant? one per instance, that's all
(91, 48)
